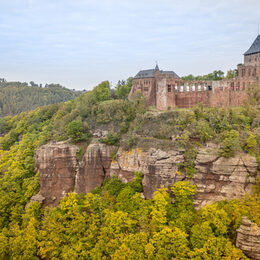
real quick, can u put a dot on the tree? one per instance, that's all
(123, 88)
(75, 131)
(101, 92)
(231, 74)
(230, 143)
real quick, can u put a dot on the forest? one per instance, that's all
(17, 97)
(114, 221)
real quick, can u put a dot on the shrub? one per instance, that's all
(80, 153)
(75, 131)
(113, 185)
(203, 131)
(230, 143)
(110, 139)
(189, 163)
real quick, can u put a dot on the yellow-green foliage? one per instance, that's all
(122, 225)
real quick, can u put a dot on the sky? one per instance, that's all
(80, 43)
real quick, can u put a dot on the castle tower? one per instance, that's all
(252, 55)
(250, 70)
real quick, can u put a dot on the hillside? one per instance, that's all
(16, 97)
(114, 221)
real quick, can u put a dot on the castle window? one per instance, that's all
(146, 89)
(205, 86)
(232, 86)
(193, 87)
(181, 88)
(176, 88)
(169, 88)
(188, 88)
(238, 86)
(243, 72)
(199, 87)
(254, 73)
(209, 88)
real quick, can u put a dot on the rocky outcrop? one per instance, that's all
(92, 170)
(61, 173)
(219, 178)
(159, 168)
(248, 238)
(57, 164)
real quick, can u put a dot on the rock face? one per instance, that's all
(219, 178)
(57, 164)
(61, 173)
(248, 238)
(93, 168)
(159, 167)
(216, 179)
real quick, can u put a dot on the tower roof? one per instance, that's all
(255, 47)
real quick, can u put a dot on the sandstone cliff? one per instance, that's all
(61, 173)
(57, 164)
(248, 238)
(216, 179)
(219, 178)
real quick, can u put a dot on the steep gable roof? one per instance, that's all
(255, 47)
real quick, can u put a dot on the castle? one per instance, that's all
(165, 89)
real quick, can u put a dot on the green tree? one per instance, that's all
(230, 143)
(101, 92)
(75, 131)
(231, 74)
(123, 88)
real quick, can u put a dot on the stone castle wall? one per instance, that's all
(165, 92)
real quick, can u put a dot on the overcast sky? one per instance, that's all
(79, 43)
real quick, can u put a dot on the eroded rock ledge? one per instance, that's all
(248, 238)
(217, 178)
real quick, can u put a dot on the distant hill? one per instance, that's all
(16, 97)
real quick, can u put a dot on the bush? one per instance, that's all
(113, 185)
(75, 131)
(80, 153)
(189, 164)
(203, 131)
(110, 139)
(230, 143)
